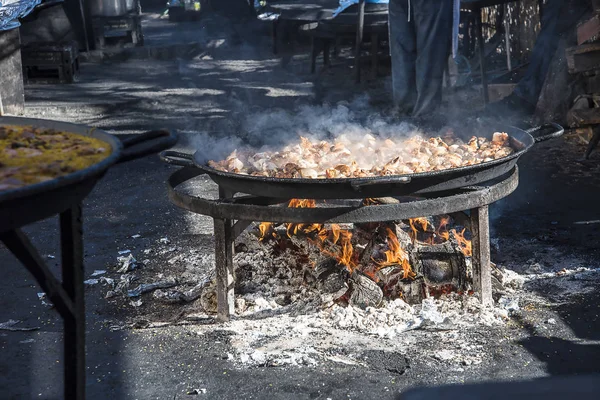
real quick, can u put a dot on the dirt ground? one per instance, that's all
(231, 85)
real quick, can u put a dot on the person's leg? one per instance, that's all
(558, 17)
(433, 21)
(403, 52)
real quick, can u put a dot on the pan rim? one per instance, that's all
(350, 181)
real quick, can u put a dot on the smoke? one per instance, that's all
(276, 128)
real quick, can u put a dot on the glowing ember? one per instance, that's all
(302, 203)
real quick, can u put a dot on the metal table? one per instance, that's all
(67, 296)
(299, 13)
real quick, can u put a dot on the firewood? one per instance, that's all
(332, 280)
(365, 292)
(412, 291)
(440, 264)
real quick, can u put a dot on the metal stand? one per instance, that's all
(224, 239)
(68, 296)
(480, 240)
(245, 209)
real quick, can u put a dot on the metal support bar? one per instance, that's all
(481, 43)
(593, 142)
(482, 271)
(224, 238)
(74, 325)
(249, 210)
(78, 13)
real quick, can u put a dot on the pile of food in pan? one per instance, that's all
(31, 155)
(347, 157)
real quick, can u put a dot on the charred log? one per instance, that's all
(440, 264)
(413, 292)
(365, 292)
(332, 280)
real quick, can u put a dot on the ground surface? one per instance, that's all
(236, 88)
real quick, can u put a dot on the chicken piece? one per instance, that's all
(500, 138)
(473, 144)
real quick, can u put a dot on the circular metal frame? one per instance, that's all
(252, 208)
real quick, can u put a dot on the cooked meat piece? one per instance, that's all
(368, 155)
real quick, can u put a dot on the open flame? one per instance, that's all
(440, 234)
(341, 239)
(416, 225)
(396, 255)
(465, 245)
(336, 242)
(266, 230)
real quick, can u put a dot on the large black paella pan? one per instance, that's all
(396, 185)
(27, 204)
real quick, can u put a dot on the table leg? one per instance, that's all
(326, 52)
(314, 53)
(478, 27)
(482, 269)
(74, 324)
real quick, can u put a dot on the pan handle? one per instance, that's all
(557, 131)
(147, 143)
(359, 184)
(177, 158)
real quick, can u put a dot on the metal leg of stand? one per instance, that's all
(484, 83)
(67, 297)
(224, 264)
(482, 269)
(74, 325)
